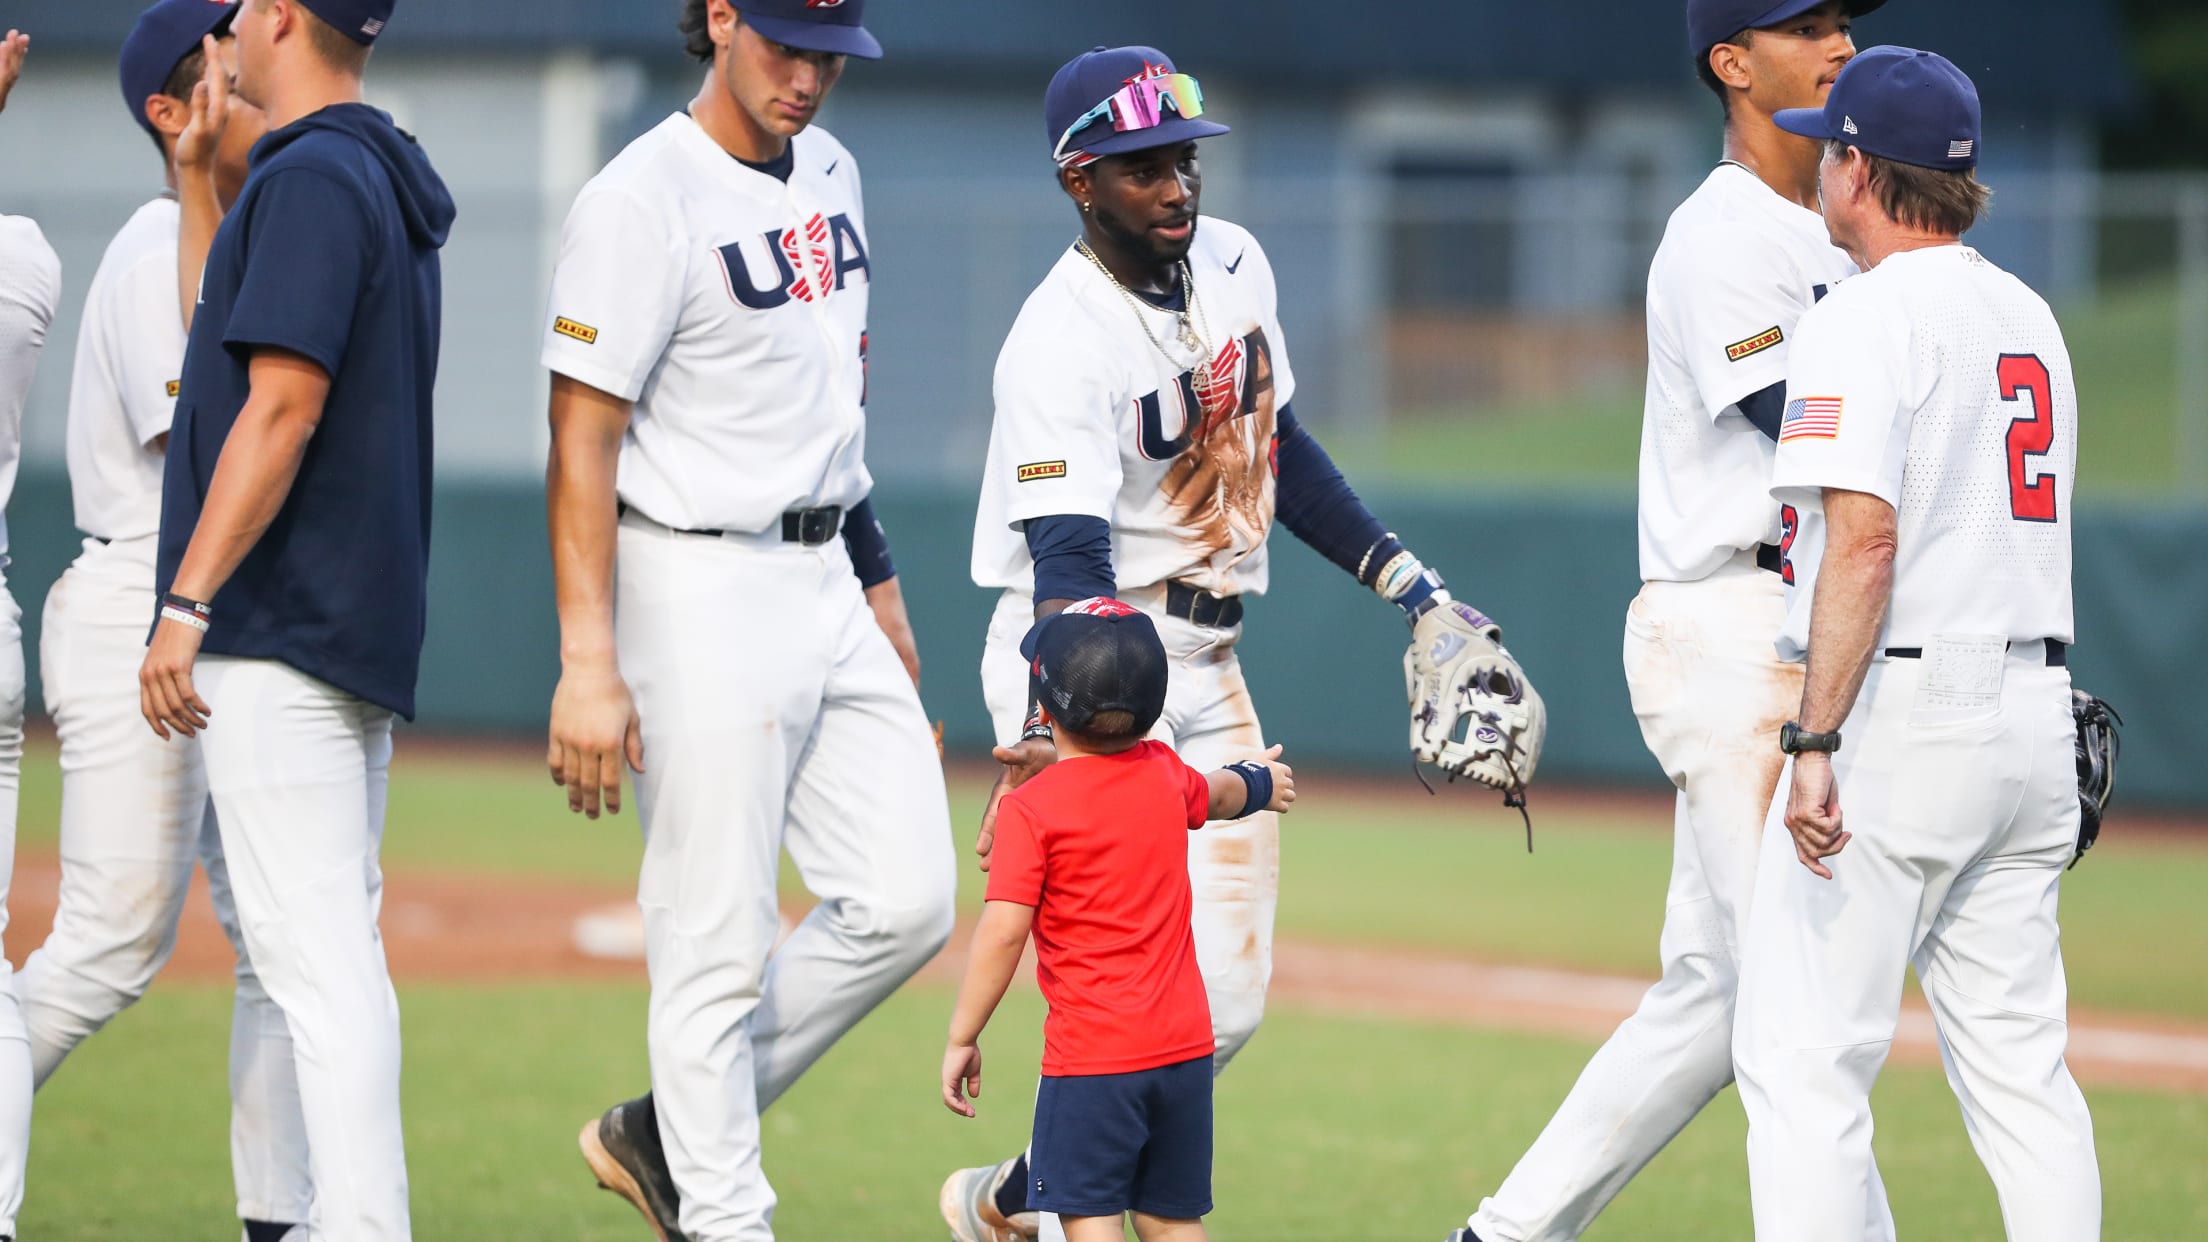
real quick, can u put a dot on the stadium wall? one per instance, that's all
(1324, 656)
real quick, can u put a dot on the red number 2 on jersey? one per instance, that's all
(2031, 497)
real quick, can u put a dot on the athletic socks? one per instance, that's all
(267, 1231)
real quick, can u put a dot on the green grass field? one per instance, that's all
(2123, 349)
(1332, 1129)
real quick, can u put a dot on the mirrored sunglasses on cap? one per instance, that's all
(1139, 105)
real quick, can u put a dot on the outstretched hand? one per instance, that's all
(13, 49)
(1021, 760)
(202, 136)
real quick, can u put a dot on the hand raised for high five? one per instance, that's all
(13, 48)
(202, 136)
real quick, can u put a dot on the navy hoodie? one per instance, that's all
(330, 252)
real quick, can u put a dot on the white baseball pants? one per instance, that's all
(1233, 868)
(15, 1048)
(1710, 693)
(1963, 821)
(298, 770)
(134, 818)
(775, 713)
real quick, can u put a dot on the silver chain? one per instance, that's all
(1189, 337)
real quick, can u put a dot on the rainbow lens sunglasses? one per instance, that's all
(1140, 105)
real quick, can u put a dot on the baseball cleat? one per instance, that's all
(622, 1148)
(969, 1206)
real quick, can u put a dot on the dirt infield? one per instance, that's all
(446, 927)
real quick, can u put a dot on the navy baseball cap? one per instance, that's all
(813, 25)
(1899, 104)
(164, 36)
(1098, 656)
(1711, 22)
(358, 20)
(1088, 82)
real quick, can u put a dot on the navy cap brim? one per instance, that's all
(1782, 13)
(818, 36)
(1169, 134)
(224, 14)
(1808, 122)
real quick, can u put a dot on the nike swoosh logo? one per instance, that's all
(1237, 263)
(831, 169)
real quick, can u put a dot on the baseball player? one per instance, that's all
(133, 806)
(1740, 261)
(1929, 444)
(1142, 416)
(731, 624)
(30, 290)
(293, 558)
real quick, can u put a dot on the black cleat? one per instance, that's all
(622, 1147)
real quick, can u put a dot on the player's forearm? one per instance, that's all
(253, 477)
(1319, 507)
(1855, 582)
(990, 964)
(200, 210)
(582, 512)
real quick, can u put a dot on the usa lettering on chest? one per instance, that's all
(1210, 396)
(810, 262)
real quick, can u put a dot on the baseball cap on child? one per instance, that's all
(1098, 656)
(1899, 104)
(164, 36)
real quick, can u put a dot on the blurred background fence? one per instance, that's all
(1461, 224)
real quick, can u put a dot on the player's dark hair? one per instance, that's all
(179, 86)
(1932, 199)
(1708, 76)
(697, 33)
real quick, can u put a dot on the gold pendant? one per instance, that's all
(1188, 337)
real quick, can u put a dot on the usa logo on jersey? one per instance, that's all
(810, 262)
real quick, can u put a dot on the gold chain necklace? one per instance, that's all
(1187, 334)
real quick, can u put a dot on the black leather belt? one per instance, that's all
(1770, 559)
(1221, 612)
(2058, 653)
(811, 527)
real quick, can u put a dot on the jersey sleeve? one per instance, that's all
(1734, 317)
(1016, 860)
(1197, 790)
(1055, 439)
(308, 253)
(144, 320)
(30, 291)
(615, 293)
(1848, 412)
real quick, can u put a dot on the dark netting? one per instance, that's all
(1106, 668)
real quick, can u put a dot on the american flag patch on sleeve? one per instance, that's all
(1815, 418)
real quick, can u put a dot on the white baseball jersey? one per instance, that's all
(1737, 267)
(30, 292)
(130, 354)
(1173, 448)
(1940, 384)
(730, 307)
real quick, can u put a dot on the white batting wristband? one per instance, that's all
(170, 612)
(1396, 578)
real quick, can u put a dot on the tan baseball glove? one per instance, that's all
(1473, 713)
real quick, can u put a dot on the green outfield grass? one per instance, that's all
(1330, 1130)
(1448, 874)
(2123, 349)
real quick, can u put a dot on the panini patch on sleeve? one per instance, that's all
(1755, 344)
(579, 331)
(175, 387)
(1042, 470)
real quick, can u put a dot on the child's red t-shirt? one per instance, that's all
(1099, 846)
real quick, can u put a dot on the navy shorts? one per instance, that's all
(1112, 1143)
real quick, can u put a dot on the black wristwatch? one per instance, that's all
(1794, 740)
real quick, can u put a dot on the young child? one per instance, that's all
(1092, 855)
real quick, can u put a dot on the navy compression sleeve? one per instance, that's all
(1764, 408)
(1073, 556)
(1316, 504)
(868, 545)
